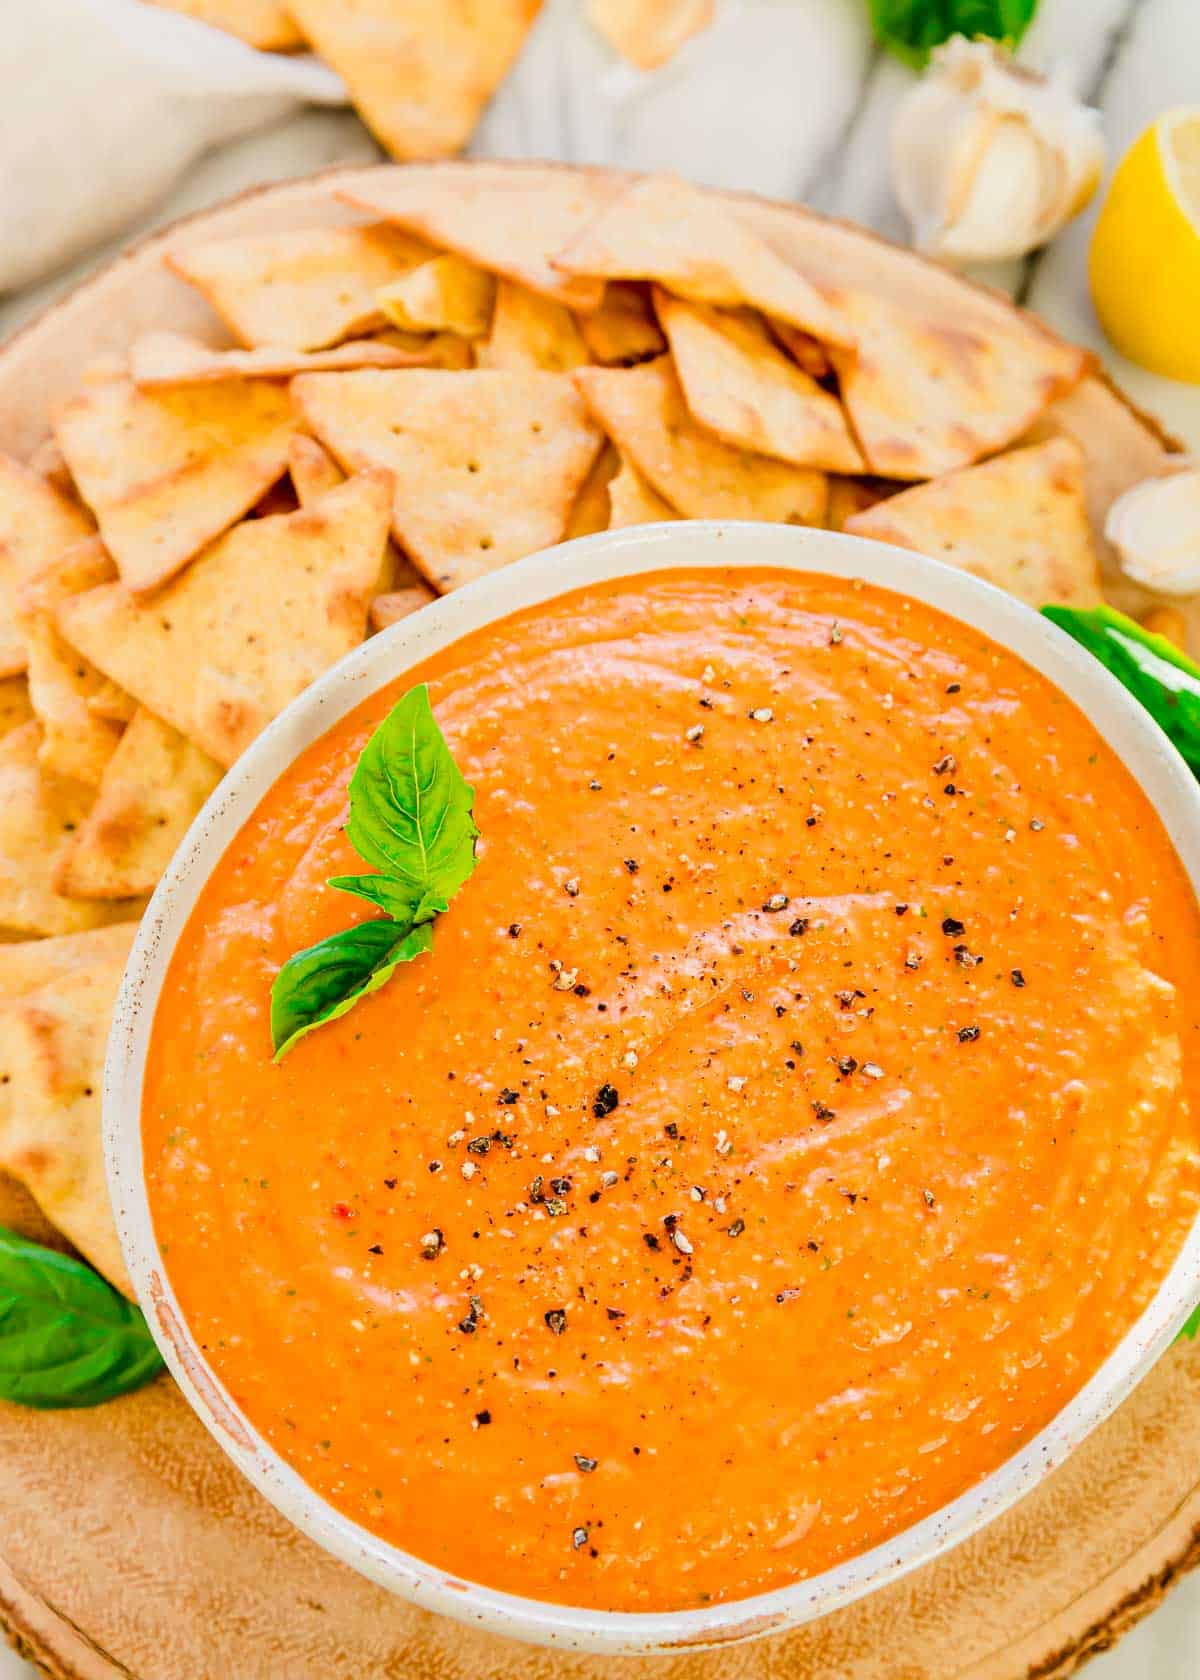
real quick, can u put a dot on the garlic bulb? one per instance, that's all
(1155, 529)
(988, 159)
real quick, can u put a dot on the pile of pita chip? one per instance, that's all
(496, 359)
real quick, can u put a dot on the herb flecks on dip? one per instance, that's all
(788, 1118)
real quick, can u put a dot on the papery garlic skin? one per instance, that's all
(1155, 529)
(988, 159)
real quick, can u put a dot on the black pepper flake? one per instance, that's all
(823, 1112)
(536, 1189)
(736, 1229)
(482, 1418)
(950, 789)
(555, 1207)
(391, 1183)
(650, 1240)
(966, 958)
(631, 865)
(946, 766)
(375, 1249)
(560, 1186)
(581, 990)
(579, 1539)
(901, 909)
(671, 1129)
(507, 1096)
(912, 960)
(798, 927)
(479, 1146)
(587, 1465)
(614, 1313)
(967, 1035)
(930, 1199)
(952, 927)
(1017, 978)
(514, 930)
(606, 1099)
(432, 1244)
(846, 1066)
(953, 688)
(556, 1320)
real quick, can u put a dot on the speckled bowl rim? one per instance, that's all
(1131, 733)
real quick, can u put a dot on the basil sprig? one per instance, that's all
(1155, 672)
(67, 1338)
(912, 28)
(410, 819)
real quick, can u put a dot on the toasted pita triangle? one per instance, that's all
(632, 502)
(53, 1037)
(739, 384)
(1019, 520)
(167, 358)
(62, 683)
(154, 784)
(487, 464)
(420, 72)
(39, 816)
(529, 331)
(661, 228)
(314, 472)
(445, 294)
(623, 330)
(259, 615)
(261, 23)
(36, 523)
(591, 510)
(649, 32)
(397, 604)
(15, 707)
(302, 289)
(927, 395)
(503, 216)
(167, 471)
(643, 411)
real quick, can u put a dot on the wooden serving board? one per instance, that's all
(130, 1547)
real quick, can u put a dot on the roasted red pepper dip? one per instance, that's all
(790, 1117)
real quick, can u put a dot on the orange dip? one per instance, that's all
(892, 974)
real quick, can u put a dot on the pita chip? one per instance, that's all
(154, 784)
(53, 1037)
(739, 384)
(649, 32)
(806, 351)
(592, 510)
(445, 294)
(314, 472)
(1018, 521)
(39, 817)
(419, 72)
(259, 615)
(76, 742)
(661, 228)
(15, 707)
(36, 523)
(167, 471)
(112, 703)
(643, 412)
(264, 24)
(848, 496)
(529, 331)
(399, 603)
(623, 330)
(926, 396)
(503, 216)
(302, 289)
(487, 464)
(632, 502)
(167, 358)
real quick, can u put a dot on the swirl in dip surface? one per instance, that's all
(822, 1013)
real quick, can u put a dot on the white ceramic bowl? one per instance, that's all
(1127, 728)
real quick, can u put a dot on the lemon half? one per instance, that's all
(1145, 256)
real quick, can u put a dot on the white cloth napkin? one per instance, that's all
(106, 103)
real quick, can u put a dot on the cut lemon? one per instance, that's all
(1145, 256)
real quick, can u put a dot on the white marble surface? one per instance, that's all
(790, 98)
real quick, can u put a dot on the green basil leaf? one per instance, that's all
(1153, 669)
(410, 808)
(325, 981)
(67, 1338)
(1191, 1328)
(399, 899)
(912, 28)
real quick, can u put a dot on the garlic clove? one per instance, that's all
(1155, 529)
(988, 159)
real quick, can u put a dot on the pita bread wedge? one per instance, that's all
(502, 216)
(397, 604)
(649, 32)
(738, 382)
(28, 964)
(632, 502)
(15, 707)
(302, 289)
(53, 1038)
(529, 331)
(39, 817)
(419, 72)
(76, 742)
(623, 330)
(167, 358)
(260, 614)
(928, 395)
(1019, 521)
(313, 472)
(592, 509)
(445, 294)
(487, 464)
(260, 23)
(36, 523)
(167, 471)
(643, 412)
(664, 229)
(155, 783)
